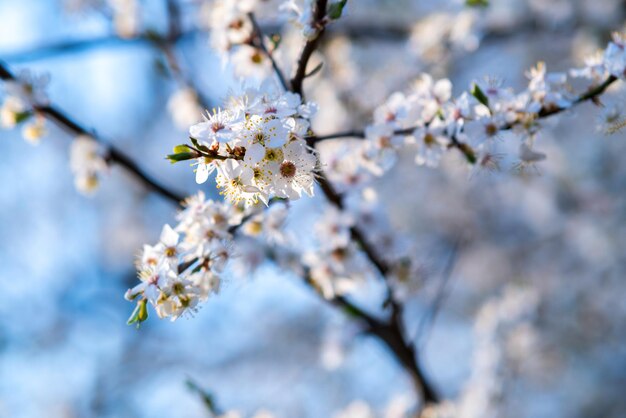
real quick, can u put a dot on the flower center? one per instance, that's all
(429, 139)
(273, 154)
(178, 288)
(491, 129)
(288, 169)
(260, 138)
(256, 58)
(236, 24)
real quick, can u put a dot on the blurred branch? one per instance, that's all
(428, 319)
(82, 45)
(260, 43)
(364, 30)
(167, 45)
(113, 154)
(391, 332)
(319, 14)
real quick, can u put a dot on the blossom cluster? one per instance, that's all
(233, 35)
(22, 95)
(256, 146)
(428, 120)
(335, 267)
(184, 267)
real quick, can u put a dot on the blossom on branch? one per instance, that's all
(184, 267)
(23, 95)
(255, 145)
(86, 163)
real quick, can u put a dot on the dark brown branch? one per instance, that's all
(310, 46)
(113, 154)
(391, 332)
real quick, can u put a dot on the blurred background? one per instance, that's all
(550, 240)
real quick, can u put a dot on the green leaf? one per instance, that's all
(181, 156)
(477, 3)
(315, 70)
(199, 146)
(181, 148)
(140, 313)
(153, 35)
(479, 95)
(275, 40)
(468, 152)
(336, 9)
(351, 311)
(206, 397)
(22, 116)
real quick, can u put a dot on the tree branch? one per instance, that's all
(592, 94)
(391, 333)
(260, 43)
(319, 14)
(113, 154)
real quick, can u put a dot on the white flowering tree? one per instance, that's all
(291, 130)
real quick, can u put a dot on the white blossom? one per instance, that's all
(86, 163)
(184, 268)
(256, 145)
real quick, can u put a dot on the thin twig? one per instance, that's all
(593, 93)
(390, 332)
(260, 43)
(310, 46)
(352, 30)
(112, 153)
(428, 319)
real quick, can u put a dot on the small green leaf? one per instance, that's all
(336, 9)
(275, 40)
(351, 311)
(22, 116)
(199, 146)
(479, 95)
(140, 313)
(477, 3)
(206, 397)
(468, 152)
(315, 70)
(181, 156)
(153, 35)
(181, 148)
